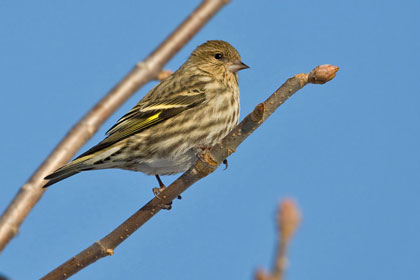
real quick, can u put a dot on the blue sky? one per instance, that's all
(347, 151)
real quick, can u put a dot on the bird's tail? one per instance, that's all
(68, 170)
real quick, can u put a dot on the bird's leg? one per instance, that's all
(157, 191)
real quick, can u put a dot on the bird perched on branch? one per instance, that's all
(193, 108)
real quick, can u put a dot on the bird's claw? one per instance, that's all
(167, 206)
(158, 191)
(225, 162)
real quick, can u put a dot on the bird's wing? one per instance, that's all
(148, 114)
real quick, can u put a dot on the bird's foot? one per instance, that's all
(166, 206)
(158, 191)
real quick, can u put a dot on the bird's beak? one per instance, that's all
(237, 66)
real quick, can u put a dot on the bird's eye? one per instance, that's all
(218, 56)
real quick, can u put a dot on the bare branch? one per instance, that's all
(143, 72)
(288, 218)
(208, 161)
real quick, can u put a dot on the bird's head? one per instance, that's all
(217, 57)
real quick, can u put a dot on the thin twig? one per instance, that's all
(143, 72)
(208, 161)
(288, 218)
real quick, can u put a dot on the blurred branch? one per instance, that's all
(143, 72)
(208, 161)
(288, 218)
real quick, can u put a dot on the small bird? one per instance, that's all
(193, 109)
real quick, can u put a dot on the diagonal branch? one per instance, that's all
(208, 161)
(143, 72)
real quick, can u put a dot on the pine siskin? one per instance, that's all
(193, 108)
